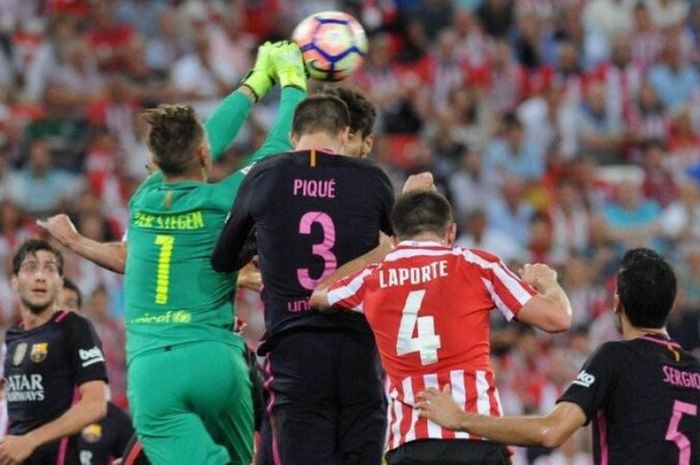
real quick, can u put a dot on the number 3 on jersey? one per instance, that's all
(427, 342)
(322, 249)
(163, 274)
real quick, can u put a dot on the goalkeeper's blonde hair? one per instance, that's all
(174, 136)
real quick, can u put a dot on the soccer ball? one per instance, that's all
(333, 44)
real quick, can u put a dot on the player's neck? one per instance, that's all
(31, 320)
(196, 175)
(428, 237)
(632, 332)
(319, 141)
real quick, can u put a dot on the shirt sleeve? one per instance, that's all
(594, 383)
(239, 224)
(508, 292)
(85, 351)
(349, 292)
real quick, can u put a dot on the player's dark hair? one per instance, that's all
(646, 285)
(175, 135)
(421, 211)
(31, 247)
(70, 285)
(362, 112)
(321, 113)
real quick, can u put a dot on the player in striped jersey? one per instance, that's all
(428, 304)
(642, 393)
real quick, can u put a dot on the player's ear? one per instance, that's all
(294, 137)
(451, 234)
(345, 136)
(617, 304)
(367, 144)
(14, 283)
(203, 157)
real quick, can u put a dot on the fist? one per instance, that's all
(538, 275)
(420, 181)
(60, 227)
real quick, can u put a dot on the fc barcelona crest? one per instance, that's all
(39, 352)
(92, 433)
(20, 352)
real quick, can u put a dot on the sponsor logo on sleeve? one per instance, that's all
(39, 352)
(91, 356)
(20, 352)
(584, 379)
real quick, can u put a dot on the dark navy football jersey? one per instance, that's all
(643, 397)
(313, 211)
(104, 441)
(44, 366)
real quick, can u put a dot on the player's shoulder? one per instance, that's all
(478, 257)
(71, 321)
(613, 352)
(271, 162)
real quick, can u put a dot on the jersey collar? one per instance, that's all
(421, 244)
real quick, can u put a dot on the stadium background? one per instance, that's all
(563, 131)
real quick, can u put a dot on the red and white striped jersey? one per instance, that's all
(428, 306)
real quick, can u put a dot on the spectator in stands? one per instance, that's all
(601, 131)
(40, 187)
(511, 153)
(111, 333)
(674, 79)
(478, 234)
(509, 212)
(610, 17)
(632, 219)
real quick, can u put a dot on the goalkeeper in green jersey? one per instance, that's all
(189, 389)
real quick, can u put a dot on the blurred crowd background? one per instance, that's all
(563, 131)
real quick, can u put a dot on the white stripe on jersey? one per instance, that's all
(434, 430)
(508, 280)
(501, 273)
(398, 416)
(402, 406)
(483, 403)
(408, 398)
(408, 253)
(499, 406)
(500, 305)
(459, 395)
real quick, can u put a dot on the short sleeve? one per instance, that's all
(595, 381)
(349, 292)
(85, 351)
(507, 291)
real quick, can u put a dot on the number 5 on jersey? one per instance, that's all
(427, 342)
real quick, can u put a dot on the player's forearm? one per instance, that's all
(227, 119)
(516, 431)
(72, 422)
(319, 298)
(277, 140)
(109, 255)
(561, 313)
(549, 310)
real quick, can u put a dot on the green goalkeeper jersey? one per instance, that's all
(172, 295)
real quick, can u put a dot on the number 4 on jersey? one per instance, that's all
(427, 342)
